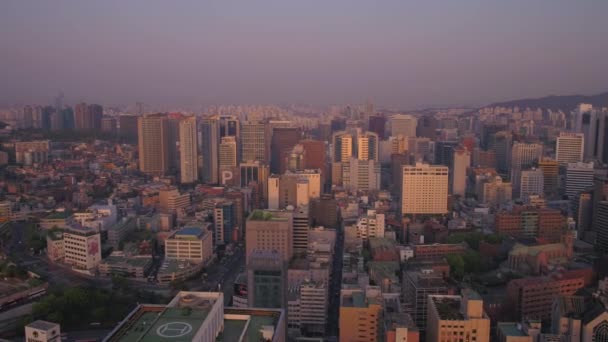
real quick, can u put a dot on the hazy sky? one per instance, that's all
(402, 52)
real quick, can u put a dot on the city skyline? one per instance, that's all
(410, 55)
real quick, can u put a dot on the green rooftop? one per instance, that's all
(509, 329)
(264, 215)
(175, 324)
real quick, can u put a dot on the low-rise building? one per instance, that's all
(199, 317)
(82, 248)
(134, 266)
(456, 318)
(42, 331)
(191, 243)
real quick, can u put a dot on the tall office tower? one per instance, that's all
(37, 117)
(269, 231)
(227, 154)
(296, 158)
(444, 152)
(283, 140)
(95, 114)
(532, 183)
(427, 127)
(153, 144)
(457, 316)
(584, 219)
(360, 315)
(424, 189)
(56, 120)
(550, 169)
(127, 126)
(324, 212)
(579, 178)
(570, 148)
(377, 124)
(257, 172)
(87, 117)
(423, 149)
(316, 158)
(586, 121)
(254, 144)
(462, 161)
(485, 159)
(399, 144)
(139, 109)
(80, 114)
(600, 226)
(397, 163)
(224, 223)
(27, 120)
(367, 146)
(266, 280)
(488, 133)
(337, 124)
(188, 145)
(342, 144)
(361, 175)
(403, 125)
(173, 120)
(502, 145)
(600, 190)
(523, 156)
(210, 135)
(301, 225)
(274, 182)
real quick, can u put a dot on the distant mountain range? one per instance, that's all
(564, 102)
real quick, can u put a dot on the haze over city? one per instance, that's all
(407, 54)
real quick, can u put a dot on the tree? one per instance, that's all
(457, 264)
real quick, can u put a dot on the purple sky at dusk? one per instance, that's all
(395, 52)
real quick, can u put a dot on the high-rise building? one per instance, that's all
(315, 156)
(367, 146)
(402, 124)
(424, 189)
(361, 175)
(377, 124)
(210, 133)
(324, 212)
(255, 172)
(87, 117)
(600, 226)
(224, 222)
(266, 279)
(269, 230)
(462, 161)
(283, 140)
(495, 192)
(342, 144)
(29, 152)
(570, 148)
(579, 177)
(188, 145)
(153, 144)
(532, 183)
(593, 123)
(458, 316)
(254, 142)
(227, 157)
(550, 169)
(127, 126)
(172, 134)
(301, 225)
(502, 144)
(523, 156)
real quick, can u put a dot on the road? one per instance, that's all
(336, 284)
(222, 273)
